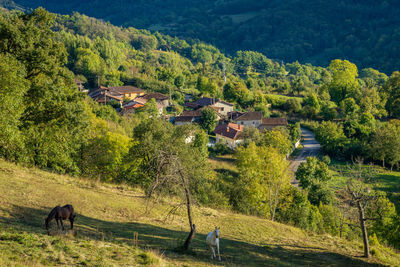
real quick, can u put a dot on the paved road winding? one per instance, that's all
(310, 148)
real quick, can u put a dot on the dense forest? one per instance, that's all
(316, 31)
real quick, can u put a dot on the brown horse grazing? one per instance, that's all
(61, 213)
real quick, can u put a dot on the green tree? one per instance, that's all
(263, 177)
(311, 105)
(384, 144)
(278, 139)
(312, 171)
(392, 89)
(13, 87)
(349, 107)
(331, 137)
(104, 155)
(206, 86)
(294, 131)
(236, 92)
(292, 105)
(344, 80)
(54, 119)
(208, 119)
(149, 110)
(179, 81)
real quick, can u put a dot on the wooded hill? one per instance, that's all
(316, 31)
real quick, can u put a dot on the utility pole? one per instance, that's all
(224, 71)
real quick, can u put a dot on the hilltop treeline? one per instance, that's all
(317, 31)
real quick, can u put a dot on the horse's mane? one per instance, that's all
(52, 213)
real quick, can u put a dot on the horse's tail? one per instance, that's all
(51, 216)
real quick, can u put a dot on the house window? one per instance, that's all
(222, 109)
(241, 123)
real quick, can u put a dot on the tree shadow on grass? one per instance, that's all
(233, 252)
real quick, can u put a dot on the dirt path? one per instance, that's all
(310, 148)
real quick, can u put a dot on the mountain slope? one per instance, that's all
(316, 31)
(109, 215)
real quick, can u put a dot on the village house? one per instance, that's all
(133, 105)
(229, 134)
(270, 123)
(182, 120)
(127, 92)
(161, 99)
(223, 107)
(103, 95)
(187, 117)
(232, 116)
(253, 118)
(119, 93)
(191, 116)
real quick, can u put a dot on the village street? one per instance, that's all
(310, 148)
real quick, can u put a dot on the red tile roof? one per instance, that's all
(230, 130)
(134, 106)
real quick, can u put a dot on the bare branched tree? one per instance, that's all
(168, 172)
(361, 196)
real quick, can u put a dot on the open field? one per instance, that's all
(108, 215)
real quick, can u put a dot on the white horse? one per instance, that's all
(212, 241)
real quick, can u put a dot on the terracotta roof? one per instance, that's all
(250, 116)
(230, 130)
(134, 106)
(274, 122)
(236, 126)
(156, 96)
(140, 100)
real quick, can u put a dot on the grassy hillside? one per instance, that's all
(108, 216)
